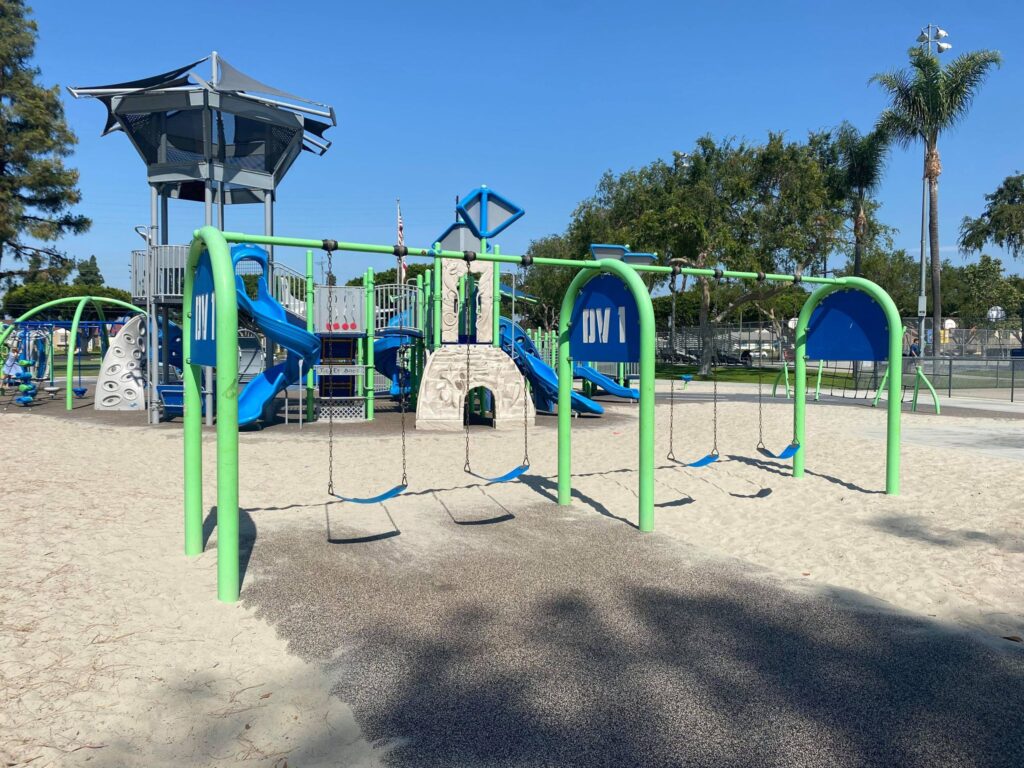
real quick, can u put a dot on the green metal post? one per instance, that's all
(646, 388)
(935, 397)
(427, 307)
(310, 300)
(496, 301)
(49, 357)
(785, 373)
(437, 291)
(881, 387)
(72, 338)
(371, 334)
(226, 334)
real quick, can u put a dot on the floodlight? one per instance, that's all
(923, 37)
(943, 47)
(940, 33)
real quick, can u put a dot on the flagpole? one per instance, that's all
(400, 226)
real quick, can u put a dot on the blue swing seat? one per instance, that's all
(787, 453)
(398, 490)
(511, 475)
(79, 391)
(711, 458)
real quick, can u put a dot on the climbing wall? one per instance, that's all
(121, 385)
(444, 385)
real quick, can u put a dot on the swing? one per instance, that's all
(80, 391)
(788, 452)
(391, 492)
(525, 464)
(710, 458)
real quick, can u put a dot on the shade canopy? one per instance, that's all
(231, 129)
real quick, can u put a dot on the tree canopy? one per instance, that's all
(1002, 221)
(37, 191)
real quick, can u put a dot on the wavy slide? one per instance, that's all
(542, 376)
(281, 328)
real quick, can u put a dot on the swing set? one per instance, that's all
(215, 343)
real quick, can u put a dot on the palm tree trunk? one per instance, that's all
(859, 226)
(933, 235)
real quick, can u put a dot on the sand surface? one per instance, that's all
(114, 650)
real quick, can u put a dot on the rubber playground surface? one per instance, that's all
(766, 621)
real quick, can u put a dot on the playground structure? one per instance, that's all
(40, 337)
(211, 339)
(224, 139)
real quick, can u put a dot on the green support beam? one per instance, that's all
(646, 387)
(226, 333)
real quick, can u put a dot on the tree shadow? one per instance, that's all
(661, 676)
(908, 527)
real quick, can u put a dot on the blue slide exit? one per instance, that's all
(541, 376)
(281, 328)
(609, 385)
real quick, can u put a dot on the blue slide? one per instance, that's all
(281, 328)
(385, 360)
(609, 385)
(541, 376)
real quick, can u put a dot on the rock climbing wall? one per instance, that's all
(444, 385)
(121, 385)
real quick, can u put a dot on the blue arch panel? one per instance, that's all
(848, 325)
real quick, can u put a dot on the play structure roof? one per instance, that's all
(231, 128)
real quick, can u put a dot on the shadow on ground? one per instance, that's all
(555, 639)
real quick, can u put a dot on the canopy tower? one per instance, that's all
(227, 139)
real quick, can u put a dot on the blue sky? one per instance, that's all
(535, 99)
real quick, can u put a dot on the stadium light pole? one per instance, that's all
(931, 35)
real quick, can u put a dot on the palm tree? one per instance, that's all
(861, 165)
(924, 101)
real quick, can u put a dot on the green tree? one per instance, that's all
(45, 268)
(861, 163)
(37, 191)
(547, 284)
(983, 285)
(925, 101)
(726, 204)
(88, 273)
(390, 276)
(1002, 221)
(22, 298)
(895, 271)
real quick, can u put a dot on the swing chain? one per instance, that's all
(467, 405)
(401, 405)
(330, 408)
(526, 385)
(714, 412)
(671, 420)
(760, 415)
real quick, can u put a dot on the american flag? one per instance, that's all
(401, 241)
